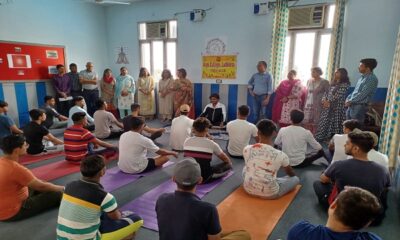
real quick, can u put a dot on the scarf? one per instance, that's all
(108, 79)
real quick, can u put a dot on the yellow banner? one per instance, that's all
(219, 67)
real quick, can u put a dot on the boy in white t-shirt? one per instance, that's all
(298, 143)
(262, 162)
(133, 147)
(181, 128)
(240, 132)
(376, 156)
(336, 145)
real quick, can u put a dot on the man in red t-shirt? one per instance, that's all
(80, 142)
(22, 194)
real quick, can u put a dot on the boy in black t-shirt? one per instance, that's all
(192, 218)
(35, 132)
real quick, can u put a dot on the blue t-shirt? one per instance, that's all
(5, 123)
(306, 231)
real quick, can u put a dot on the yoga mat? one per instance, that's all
(29, 159)
(115, 178)
(240, 211)
(60, 169)
(145, 205)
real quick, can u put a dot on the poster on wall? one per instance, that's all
(29, 61)
(219, 67)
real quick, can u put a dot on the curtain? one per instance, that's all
(279, 32)
(390, 131)
(336, 40)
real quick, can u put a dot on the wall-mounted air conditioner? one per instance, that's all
(307, 17)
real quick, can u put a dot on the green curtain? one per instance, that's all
(279, 32)
(390, 131)
(336, 40)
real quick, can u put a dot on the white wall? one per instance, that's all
(77, 25)
(370, 31)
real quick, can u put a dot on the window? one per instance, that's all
(157, 42)
(307, 48)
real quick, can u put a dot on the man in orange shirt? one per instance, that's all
(22, 194)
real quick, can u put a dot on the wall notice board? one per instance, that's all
(26, 61)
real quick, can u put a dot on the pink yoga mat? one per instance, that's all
(29, 159)
(115, 178)
(145, 205)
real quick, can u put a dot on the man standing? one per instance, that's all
(357, 101)
(76, 86)
(260, 87)
(88, 78)
(62, 86)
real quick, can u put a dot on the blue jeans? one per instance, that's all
(357, 111)
(286, 184)
(258, 107)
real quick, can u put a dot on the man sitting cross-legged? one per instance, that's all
(105, 124)
(87, 211)
(79, 104)
(262, 162)
(298, 143)
(202, 149)
(353, 210)
(357, 172)
(35, 132)
(336, 145)
(54, 119)
(182, 215)
(133, 147)
(154, 132)
(22, 194)
(80, 142)
(181, 128)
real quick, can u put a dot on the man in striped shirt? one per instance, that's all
(89, 212)
(80, 142)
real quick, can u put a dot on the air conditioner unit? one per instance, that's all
(156, 30)
(306, 17)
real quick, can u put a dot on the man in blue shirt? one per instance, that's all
(357, 101)
(260, 87)
(353, 210)
(7, 125)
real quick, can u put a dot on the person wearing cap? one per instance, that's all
(154, 132)
(201, 148)
(133, 148)
(181, 128)
(357, 102)
(192, 218)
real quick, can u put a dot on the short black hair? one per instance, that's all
(72, 65)
(266, 127)
(100, 103)
(296, 116)
(59, 66)
(35, 114)
(135, 107)
(201, 124)
(214, 95)
(136, 123)
(363, 140)
(3, 104)
(263, 63)
(12, 142)
(92, 165)
(78, 99)
(244, 110)
(370, 63)
(47, 98)
(356, 207)
(352, 124)
(78, 116)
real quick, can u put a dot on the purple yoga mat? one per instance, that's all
(145, 205)
(115, 178)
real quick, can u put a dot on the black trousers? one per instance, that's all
(91, 96)
(310, 159)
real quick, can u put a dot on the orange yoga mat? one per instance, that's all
(29, 159)
(240, 211)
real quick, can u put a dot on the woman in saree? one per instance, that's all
(183, 88)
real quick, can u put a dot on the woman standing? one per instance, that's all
(183, 92)
(316, 88)
(146, 94)
(334, 112)
(107, 88)
(287, 97)
(125, 92)
(165, 96)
